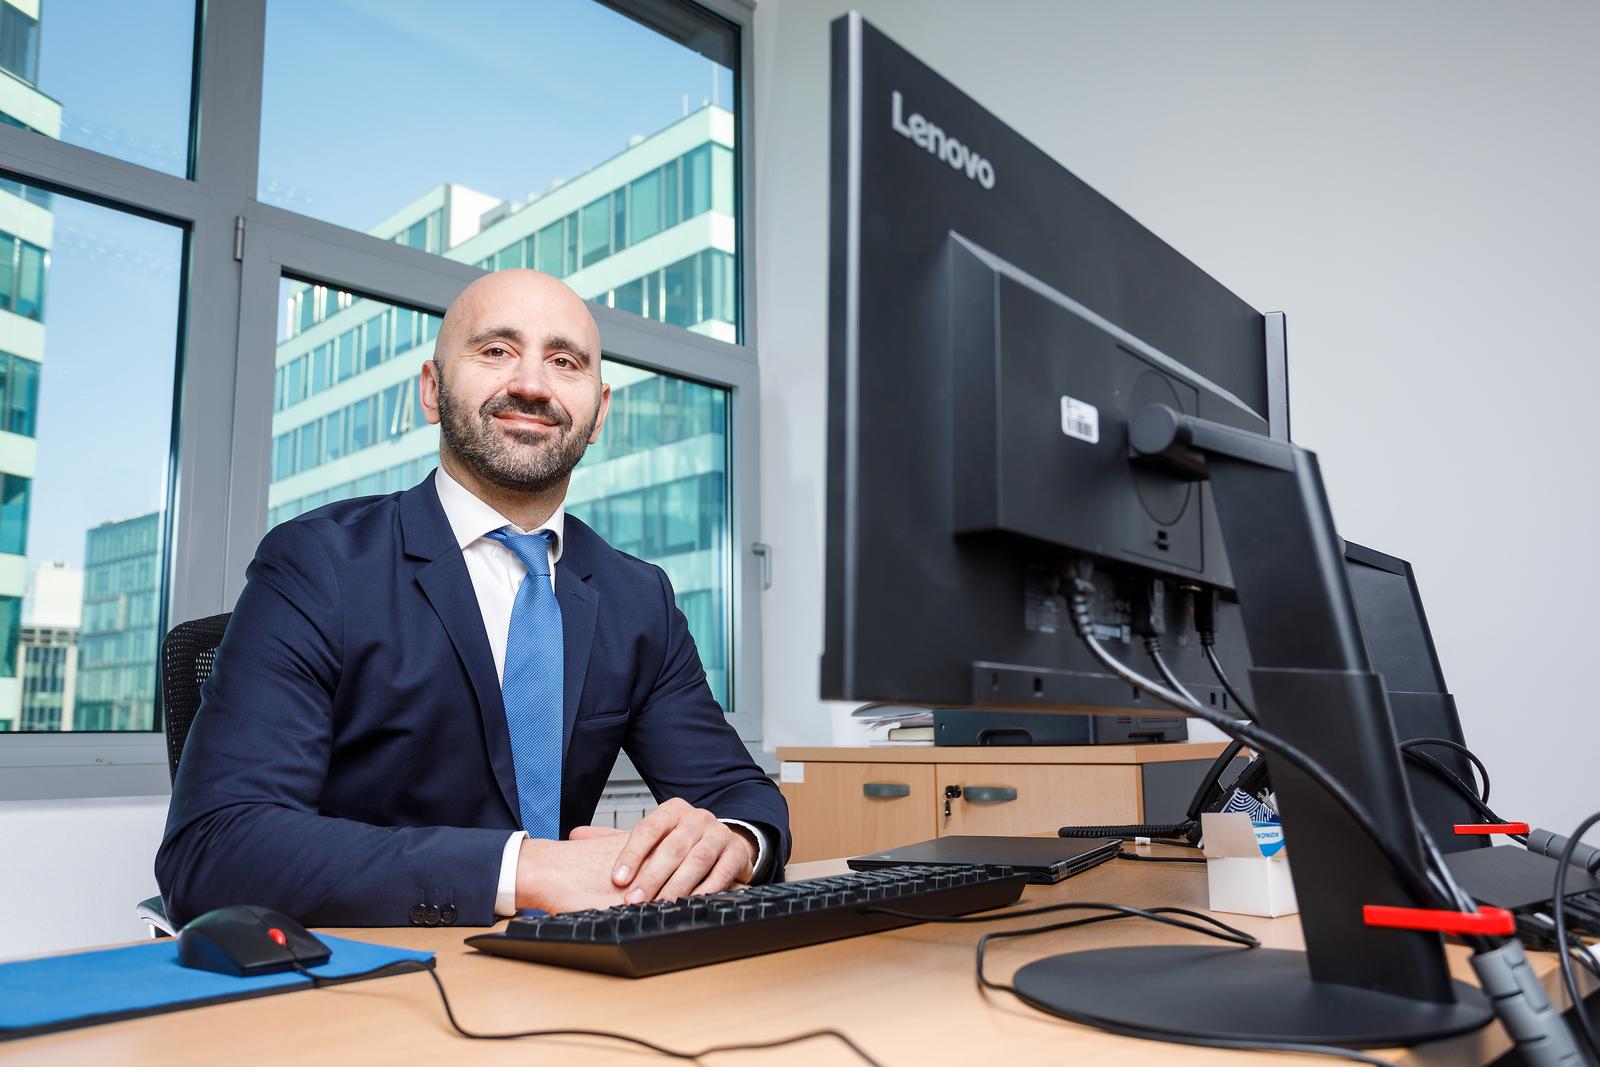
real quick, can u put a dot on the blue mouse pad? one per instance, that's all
(85, 988)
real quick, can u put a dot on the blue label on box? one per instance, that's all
(1269, 837)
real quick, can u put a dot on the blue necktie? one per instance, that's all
(531, 686)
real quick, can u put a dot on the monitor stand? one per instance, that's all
(1314, 685)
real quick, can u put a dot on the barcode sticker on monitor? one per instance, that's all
(1080, 420)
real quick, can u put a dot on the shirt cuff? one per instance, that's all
(505, 898)
(759, 870)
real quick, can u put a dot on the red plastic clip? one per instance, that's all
(1487, 920)
(1486, 828)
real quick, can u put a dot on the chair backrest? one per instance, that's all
(187, 656)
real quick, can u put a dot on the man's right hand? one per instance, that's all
(557, 876)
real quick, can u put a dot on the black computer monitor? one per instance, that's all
(945, 224)
(1401, 646)
(1027, 387)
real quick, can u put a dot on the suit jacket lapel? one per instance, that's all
(448, 587)
(580, 610)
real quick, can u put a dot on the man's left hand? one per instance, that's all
(678, 850)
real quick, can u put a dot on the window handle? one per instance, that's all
(764, 552)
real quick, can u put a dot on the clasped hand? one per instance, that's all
(677, 850)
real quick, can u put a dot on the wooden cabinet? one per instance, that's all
(849, 801)
(1009, 798)
(849, 807)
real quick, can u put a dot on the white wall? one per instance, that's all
(76, 869)
(1414, 184)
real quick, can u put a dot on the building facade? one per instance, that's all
(120, 635)
(650, 231)
(47, 668)
(26, 229)
(47, 660)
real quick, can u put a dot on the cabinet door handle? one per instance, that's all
(997, 794)
(886, 790)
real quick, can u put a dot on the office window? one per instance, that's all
(319, 368)
(629, 297)
(697, 182)
(108, 75)
(671, 200)
(22, 271)
(644, 207)
(345, 362)
(373, 331)
(513, 156)
(697, 293)
(19, 43)
(551, 243)
(343, 81)
(83, 479)
(597, 231)
(13, 515)
(655, 485)
(367, 429)
(509, 257)
(19, 393)
(10, 635)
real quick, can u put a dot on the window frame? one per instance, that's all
(236, 250)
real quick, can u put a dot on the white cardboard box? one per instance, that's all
(1246, 873)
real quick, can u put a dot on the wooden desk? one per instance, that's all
(906, 996)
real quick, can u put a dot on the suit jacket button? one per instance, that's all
(430, 915)
(447, 915)
(419, 914)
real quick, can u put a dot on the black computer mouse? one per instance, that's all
(247, 939)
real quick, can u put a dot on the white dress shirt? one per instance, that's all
(496, 574)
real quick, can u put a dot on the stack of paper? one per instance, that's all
(897, 724)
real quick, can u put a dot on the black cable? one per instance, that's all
(1558, 902)
(1124, 854)
(1451, 778)
(1445, 742)
(1222, 931)
(1264, 742)
(1152, 830)
(1585, 958)
(1447, 880)
(1207, 643)
(1454, 780)
(1152, 646)
(409, 966)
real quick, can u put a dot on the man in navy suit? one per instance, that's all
(420, 696)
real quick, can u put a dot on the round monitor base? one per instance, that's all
(1188, 992)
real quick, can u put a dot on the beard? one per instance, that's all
(515, 460)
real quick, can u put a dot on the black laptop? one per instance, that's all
(1045, 860)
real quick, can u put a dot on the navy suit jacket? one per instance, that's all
(350, 759)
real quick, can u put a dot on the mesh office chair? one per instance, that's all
(187, 656)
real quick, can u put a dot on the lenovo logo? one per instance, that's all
(925, 135)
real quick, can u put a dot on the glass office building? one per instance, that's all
(26, 230)
(49, 660)
(119, 639)
(650, 231)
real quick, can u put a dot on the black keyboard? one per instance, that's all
(635, 940)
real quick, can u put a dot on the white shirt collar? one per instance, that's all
(470, 518)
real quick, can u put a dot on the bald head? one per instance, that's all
(514, 386)
(527, 303)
